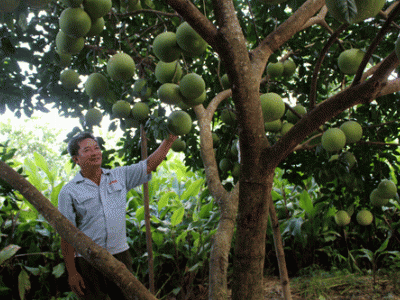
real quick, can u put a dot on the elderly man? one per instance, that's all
(95, 201)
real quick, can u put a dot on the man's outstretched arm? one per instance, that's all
(156, 158)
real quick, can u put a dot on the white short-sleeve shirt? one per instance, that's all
(100, 211)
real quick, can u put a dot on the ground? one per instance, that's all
(344, 287)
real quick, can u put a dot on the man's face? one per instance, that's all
(89, 154)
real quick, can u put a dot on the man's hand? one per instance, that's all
(77, 285)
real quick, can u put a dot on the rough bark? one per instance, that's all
(227, 203)
(96, 255)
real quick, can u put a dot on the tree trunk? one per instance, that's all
(96, 255)
(254, 198)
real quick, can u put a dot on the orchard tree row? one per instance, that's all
(248, 86)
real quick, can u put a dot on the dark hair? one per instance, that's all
(73, 144)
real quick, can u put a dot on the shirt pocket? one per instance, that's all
(86, 205)
(116, 197)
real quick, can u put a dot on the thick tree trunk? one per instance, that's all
(96, 255)
(250, 238)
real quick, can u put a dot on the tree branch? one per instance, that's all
(197, 20)
(286, 30)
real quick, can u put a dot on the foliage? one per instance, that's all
(310, 185)
(183, 220)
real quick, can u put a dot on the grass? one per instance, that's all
(338, 285)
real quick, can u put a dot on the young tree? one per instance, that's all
(244, 39)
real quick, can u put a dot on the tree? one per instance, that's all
(243, 37)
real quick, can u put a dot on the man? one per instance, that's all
(95, 202)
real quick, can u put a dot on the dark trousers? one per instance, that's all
(98, 286)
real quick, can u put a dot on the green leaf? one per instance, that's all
(383, 246)
(158, 238)
(140, 214)
(54, 194)
(306, 203)
(177, 216)
(24, 283)
(41, 162)
(193, 189)
(59, 270)
(34, 271)
(163, 202)
(8, 252)
(348, 9)
(205, 210)
(181, 237)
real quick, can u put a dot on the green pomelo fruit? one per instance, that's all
(165, 47)
(376, 199)
(8, 6)
(286, 127)
(291, 117)
(342, 218)
(349, 60)
(216, 139)
(69, 79)
(97, 27)
(169, 93)
(93, 117)
(67, 44)
(121, 67)
(225, 82)
(349, 158)
(121, 109)
(168, 72)
(179, 122)
(189, 40)
(234, 148)
(196, 101)
(72, 3)
(225, 164)
(139, 85)
(289, 67)
(273, 107)
(274, 126)
(64, 59)
(352, 130)
(178, 145)
(333, 139)
(97, 8)
(365, 9)
(140, 111)
(334, 157)
(235, 169)
(364, 217)
(96, 86)
(192, 86)
(275, 70)
(228, 117)
(75, 22)
(387, 189)
(130, 5)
